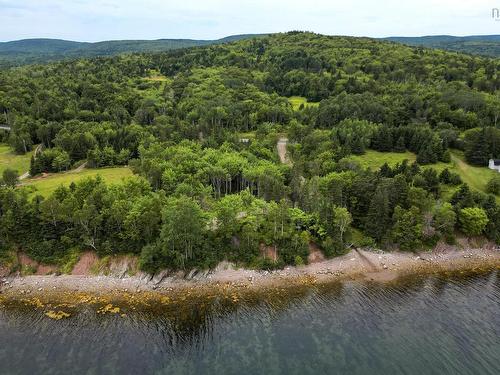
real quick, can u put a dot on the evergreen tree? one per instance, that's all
(10, 177)
(400, 145)
(407, 230)
(462, 198)
(383, 140)
(357, 145)
(426, 155)
(379, 216)
(477, 150)
(386, 171)
(445, 176)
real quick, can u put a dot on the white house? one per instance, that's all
(494, 164)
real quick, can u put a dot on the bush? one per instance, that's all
(299, 261)
(267, 264)
(455, 179)
(10, 177)
(449, 178)
(290, 249)
(151, 259)
(332, 247)
(493, 185)
(473, 220)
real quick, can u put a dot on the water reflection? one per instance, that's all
(441, 324)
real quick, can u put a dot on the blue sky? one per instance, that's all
(94, 20)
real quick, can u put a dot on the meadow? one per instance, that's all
(20, 163)
(47, 185)
(297, 101)
(475, 177)
(374, 159)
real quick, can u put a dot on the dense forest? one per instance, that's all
(199, 128)
(31, 51)
(38, 51)
(486, 45)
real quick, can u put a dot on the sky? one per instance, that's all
(96, 20)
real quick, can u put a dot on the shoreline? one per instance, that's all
(357, 265)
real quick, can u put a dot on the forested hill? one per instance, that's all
(486, 45)
(383, 140)
(28, 51)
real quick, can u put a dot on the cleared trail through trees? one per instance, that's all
(282, 143)
(80, 168)
(25, 175)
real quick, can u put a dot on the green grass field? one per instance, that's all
(20, 163)
(157, 78)
(375, 159)
(296, 101)
(47, 185)
(155, 75)
(475, 177)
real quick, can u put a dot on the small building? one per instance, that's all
(494, 164)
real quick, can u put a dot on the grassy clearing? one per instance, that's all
(246, 135)
(157, 78)
(475, 177)
(375, 159)
(296, 102)
(155, 75)
(47, 185)
(20, 163)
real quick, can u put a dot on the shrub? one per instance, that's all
(10, 177)
(493, 185)
(299, 261)
(473, 220)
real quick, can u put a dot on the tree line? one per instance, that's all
(202, 194)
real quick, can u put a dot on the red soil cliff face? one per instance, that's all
(84, 264)
(315, 254)
(269, 252)
(40, 269)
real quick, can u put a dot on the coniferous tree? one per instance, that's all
(379, 216)
(400, 145)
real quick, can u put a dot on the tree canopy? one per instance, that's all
(199, 127)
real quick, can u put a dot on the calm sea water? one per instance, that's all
(424, 325)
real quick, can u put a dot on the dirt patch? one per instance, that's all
(79, 169)
(84, 264)
(365, 258)
(39, 268)
(46, 269)
(282, 152)
(315, 254)
(123, 265)
(4, 271)
(25, 260)
(269, 252)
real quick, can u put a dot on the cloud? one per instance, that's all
(91, 20)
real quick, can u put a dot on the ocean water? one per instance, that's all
(418, 325)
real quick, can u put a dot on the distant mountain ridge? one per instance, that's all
(486, 45)
(41, 50)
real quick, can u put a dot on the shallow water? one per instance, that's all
(421, 325)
